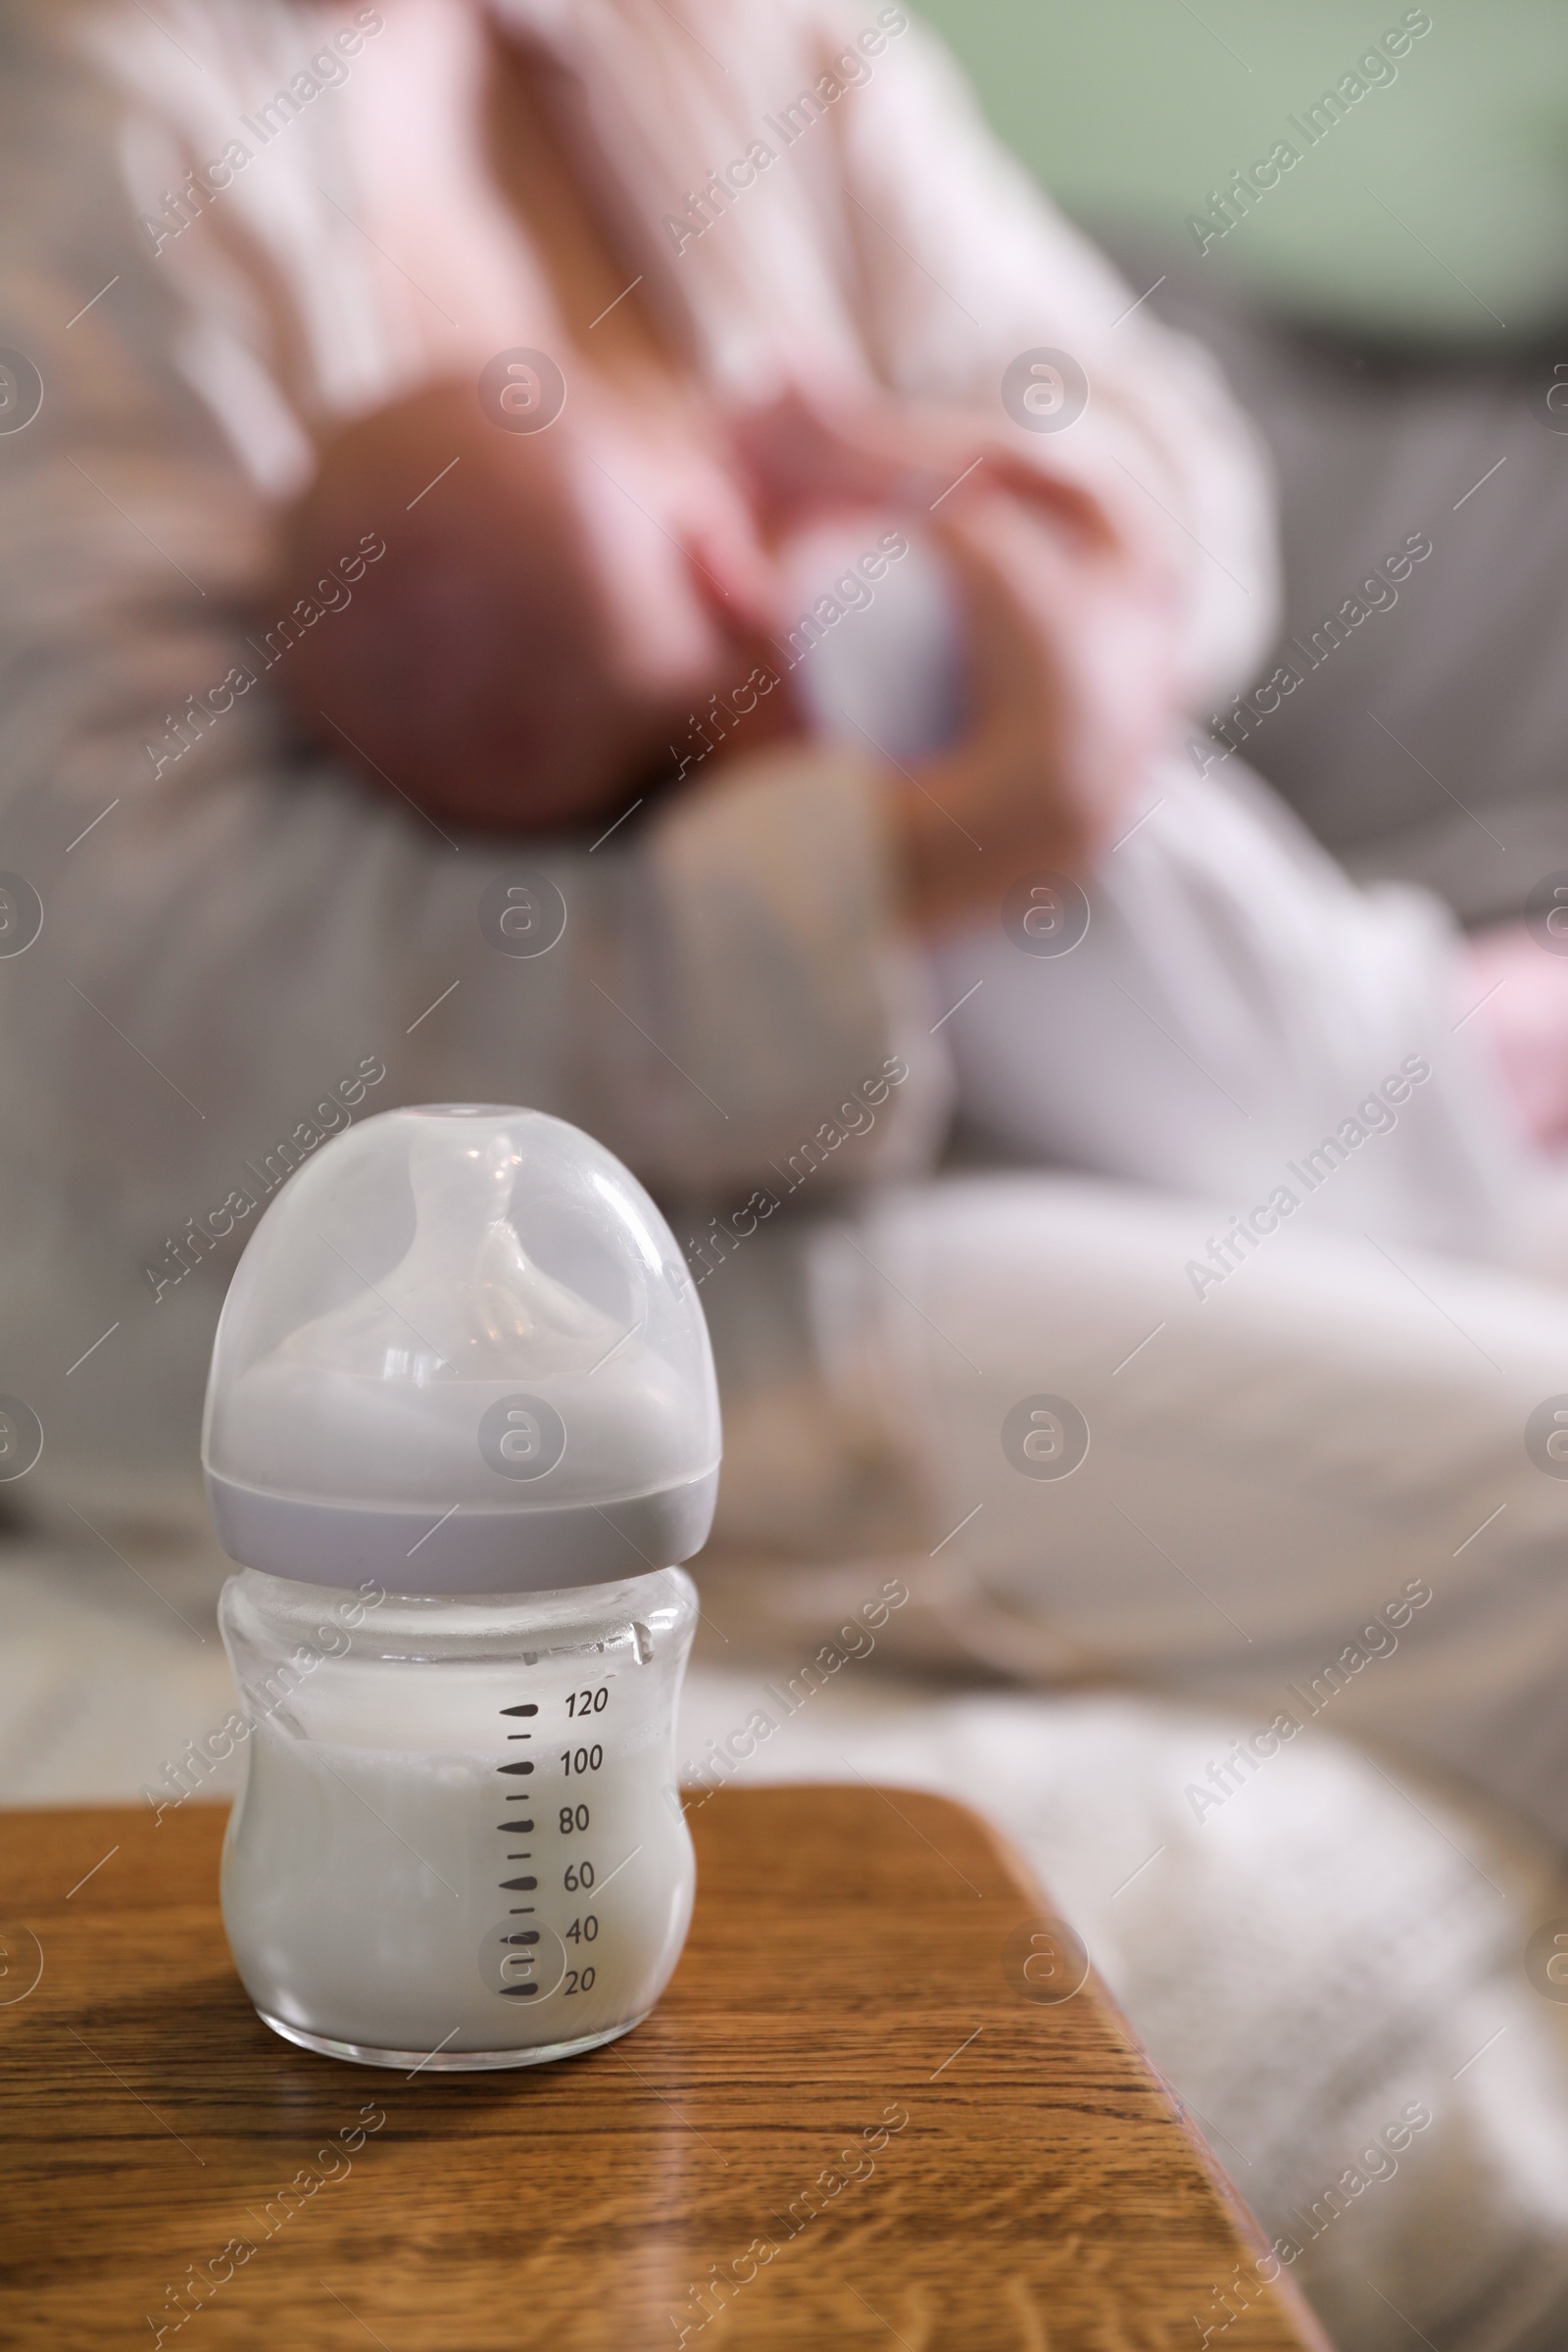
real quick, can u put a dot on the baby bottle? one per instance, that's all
(460, 1423)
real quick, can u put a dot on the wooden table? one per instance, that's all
(860, 2117)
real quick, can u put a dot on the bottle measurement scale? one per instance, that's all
(578, 1874)
(463, 1347)
(528, 1938)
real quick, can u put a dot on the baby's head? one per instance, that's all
(529, 644)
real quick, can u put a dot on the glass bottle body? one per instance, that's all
(460, 1841)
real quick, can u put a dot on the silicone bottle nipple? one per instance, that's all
(464, 1302)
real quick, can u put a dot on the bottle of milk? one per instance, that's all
(461, 1419)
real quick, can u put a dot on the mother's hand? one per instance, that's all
(1072, 698)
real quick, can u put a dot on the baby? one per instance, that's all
(566, 618)
(534, 640)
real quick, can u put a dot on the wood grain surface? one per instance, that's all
(852, 2122)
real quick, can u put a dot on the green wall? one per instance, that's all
(1440, 202)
